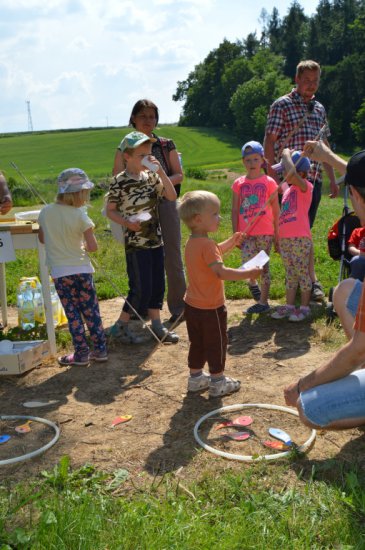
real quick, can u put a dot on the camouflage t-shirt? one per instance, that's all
(133, 197)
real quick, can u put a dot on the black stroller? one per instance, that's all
(338, 237)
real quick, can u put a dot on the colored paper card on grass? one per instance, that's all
(121, 419)
(237, 436)
(280, 434)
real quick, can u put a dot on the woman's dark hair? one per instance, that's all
(143, 104)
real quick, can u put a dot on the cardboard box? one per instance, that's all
(25, 356)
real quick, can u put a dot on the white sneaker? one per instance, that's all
(199, 383)
(282, 312)
(299, 315)
(224, 387)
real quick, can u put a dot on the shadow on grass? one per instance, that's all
(350, 458)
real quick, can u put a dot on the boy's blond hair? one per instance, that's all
(193, 203)
(77, 199)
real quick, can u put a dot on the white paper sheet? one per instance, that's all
(257, 261)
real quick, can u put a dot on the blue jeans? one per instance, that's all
(338, 400)
(146, 278)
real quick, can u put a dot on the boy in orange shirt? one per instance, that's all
(205, 312)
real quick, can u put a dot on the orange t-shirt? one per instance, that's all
(360, 315)
(205, 290)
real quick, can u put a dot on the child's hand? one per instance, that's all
(133, 226)
(253, 273)
(150, 162)
(241, 238)
(237, 239)
(6, 204)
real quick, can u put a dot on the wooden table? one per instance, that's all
(25, 236)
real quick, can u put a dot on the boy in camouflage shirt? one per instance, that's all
(132, 202)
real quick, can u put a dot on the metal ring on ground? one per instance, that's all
(249, 458)
(37, 451)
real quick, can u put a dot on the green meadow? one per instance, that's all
(205, 153)
(43, 155)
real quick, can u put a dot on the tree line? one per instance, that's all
(236, 83)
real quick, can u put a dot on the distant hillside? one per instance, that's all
(43, 155)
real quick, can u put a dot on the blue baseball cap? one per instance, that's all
(253, 147)
(304, 163)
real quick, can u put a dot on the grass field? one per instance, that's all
(86, 509)
(42, 156)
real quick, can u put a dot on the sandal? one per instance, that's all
(258, 308)
(127, 336)
(98, 357)
(166, 336)
(71, 361)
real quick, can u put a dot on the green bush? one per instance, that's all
(196, 173)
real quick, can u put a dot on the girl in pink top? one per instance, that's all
(255, 212)
(295, 239)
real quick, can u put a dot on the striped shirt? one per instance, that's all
(285, 114)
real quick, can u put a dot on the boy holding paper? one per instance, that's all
(205, 311)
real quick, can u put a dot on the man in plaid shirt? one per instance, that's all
(294, 119)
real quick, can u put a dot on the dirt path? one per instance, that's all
(264, 354)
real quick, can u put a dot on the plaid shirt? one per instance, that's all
(284, 116)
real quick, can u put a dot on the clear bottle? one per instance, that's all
(56, 304)
(39, 312)
(26, 307)
(20, 298)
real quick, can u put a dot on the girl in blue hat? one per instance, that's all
(255, 213)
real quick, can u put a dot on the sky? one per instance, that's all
(84, 63)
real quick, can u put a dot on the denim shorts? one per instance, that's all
(338, 400)
(354, 298)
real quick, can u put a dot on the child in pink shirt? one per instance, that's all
(295, 239)
(255, 213)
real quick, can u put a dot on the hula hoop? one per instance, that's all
(249, 458)
(37, 451)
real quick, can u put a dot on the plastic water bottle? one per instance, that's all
(20, 299)
(26, 307)
(39, 312)
(56, 304)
